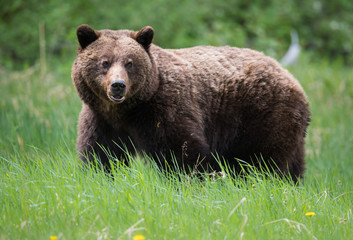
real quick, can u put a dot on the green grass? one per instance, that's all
(44, 191)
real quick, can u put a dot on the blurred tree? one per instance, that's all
(323, 26)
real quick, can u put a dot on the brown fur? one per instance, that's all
(194, 102)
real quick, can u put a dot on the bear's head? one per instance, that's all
(114, 67)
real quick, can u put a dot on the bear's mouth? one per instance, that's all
(117, 99)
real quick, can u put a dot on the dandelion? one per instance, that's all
(138, 237)
(53, 237)
(310, 214)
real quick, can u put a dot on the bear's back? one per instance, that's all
(218, 76)
(221, 67)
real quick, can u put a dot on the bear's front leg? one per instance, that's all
(191, 150)
(97, 139)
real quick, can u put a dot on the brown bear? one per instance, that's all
(186, 104)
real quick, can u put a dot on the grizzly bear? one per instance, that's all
(184, 106)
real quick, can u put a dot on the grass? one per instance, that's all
(44, 192)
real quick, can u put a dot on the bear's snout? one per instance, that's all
(117, 89)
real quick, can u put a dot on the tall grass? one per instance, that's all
(44, 191)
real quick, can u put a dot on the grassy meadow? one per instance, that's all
(46, 195)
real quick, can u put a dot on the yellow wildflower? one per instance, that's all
(7, 175)
(138, 237)
(53, 237)
(310, 214)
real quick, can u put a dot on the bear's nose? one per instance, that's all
(118, 86)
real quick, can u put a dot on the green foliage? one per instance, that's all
(323, 26)
(45, 192)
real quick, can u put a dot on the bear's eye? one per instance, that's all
(106, 64)
(128, 65)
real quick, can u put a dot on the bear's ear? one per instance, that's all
(144, 36)
(86, 35)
